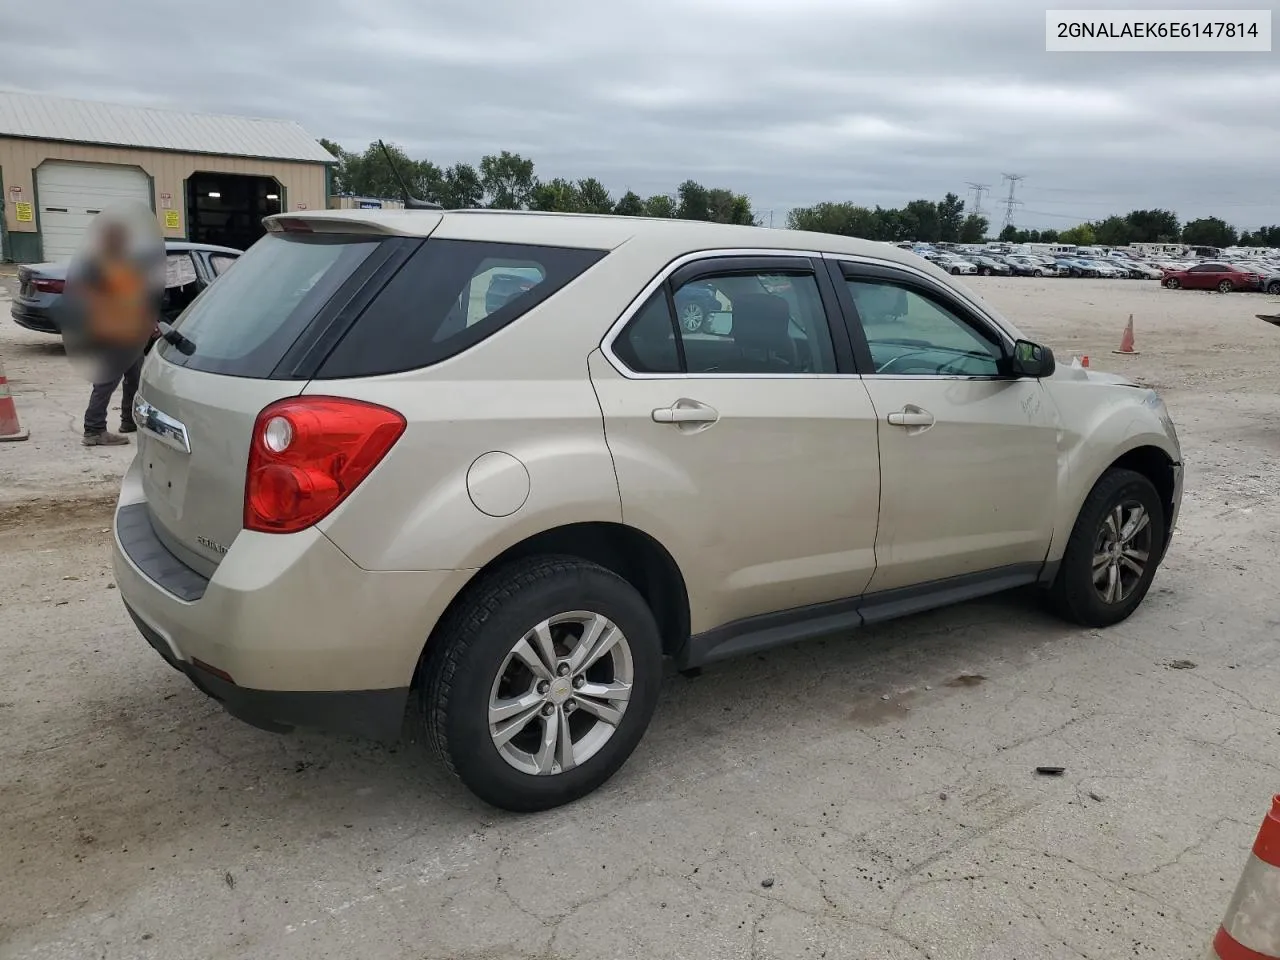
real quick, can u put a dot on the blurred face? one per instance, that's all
(114, 241)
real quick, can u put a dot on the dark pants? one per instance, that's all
(95, 416)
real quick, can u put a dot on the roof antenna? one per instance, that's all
(410, 201)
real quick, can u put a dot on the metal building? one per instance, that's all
(209, 178)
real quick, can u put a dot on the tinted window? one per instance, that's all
(449, 296)
(911, 334)
(755, 323)
(245, 322)
(221, 263)
(648, 343)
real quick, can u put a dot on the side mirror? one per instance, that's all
(1031, 360)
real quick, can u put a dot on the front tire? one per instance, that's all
(540, 683)
(1113, 553)
(955, 271)
(1172, 283)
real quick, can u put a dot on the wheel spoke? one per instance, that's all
(1132, 565)
(1136, 555)
(1138, 521)
(1113, 583)
(506, 731)
(598, 639)
(525, 653)
(546, 756)
(616, 692)
(564, 743)
(603, 711)
(1100, 562)
(500, 710)
(545, 646)
(1115, 522)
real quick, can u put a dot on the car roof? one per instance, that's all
(594, 231)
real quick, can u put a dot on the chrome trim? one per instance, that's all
(170, 432)
(632, 308)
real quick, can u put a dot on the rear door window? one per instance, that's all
(248, 320)
(448, 297)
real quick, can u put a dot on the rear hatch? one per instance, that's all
(252, 338)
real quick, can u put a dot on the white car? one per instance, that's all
(360, 479)
(956, 266)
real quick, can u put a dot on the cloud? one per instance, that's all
(875, 101)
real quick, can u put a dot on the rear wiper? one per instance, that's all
(184, 346)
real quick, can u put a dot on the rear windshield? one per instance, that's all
(425, 303)
(247, 319)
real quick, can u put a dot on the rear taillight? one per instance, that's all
(43, 285)
(307, 454)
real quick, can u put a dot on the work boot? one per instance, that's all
(104, 439)
(128, 426)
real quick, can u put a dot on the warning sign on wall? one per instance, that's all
(302, 206)
(15, 193)
(166, 200)
(171, 221)
(23, 212)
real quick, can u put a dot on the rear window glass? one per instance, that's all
(449, 296)
(243, 324)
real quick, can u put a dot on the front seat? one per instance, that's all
(761, 330)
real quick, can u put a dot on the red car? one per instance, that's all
(1224, 277)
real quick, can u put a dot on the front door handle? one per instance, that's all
(686, 411)
(911, 416)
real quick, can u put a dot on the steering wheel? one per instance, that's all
(884, 367)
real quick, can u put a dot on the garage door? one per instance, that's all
(72, 193)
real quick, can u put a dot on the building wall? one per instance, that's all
(302, 183)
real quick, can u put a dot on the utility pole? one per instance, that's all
(1010, 204)
(978, 189)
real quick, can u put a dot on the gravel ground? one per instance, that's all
(845, 798)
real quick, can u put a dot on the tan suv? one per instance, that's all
(360, 477)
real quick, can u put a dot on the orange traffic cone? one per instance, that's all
(1126, 340)
(10, 429)
(1251, 928)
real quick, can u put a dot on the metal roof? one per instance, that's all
(40, 117)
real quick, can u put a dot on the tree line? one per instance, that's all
(507, 181)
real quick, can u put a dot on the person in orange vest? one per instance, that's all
(119, 308)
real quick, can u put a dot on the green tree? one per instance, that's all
(661, 206)
(950, 218)
(593, 197)
(1011, 234)
(341, 172)
(725, 206)
(974, 229)
(1209, 232)
(630, 205)
(1267, 236)
(1049, 236)
(693, 201)
(919, 218)
(1114, 231)
(1153, 226)
(1081, 235)
(556, 196)
(460, 187)
(508, 180)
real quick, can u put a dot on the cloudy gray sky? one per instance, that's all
(790, 101)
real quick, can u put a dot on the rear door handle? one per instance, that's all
(911, 416)
(686, 411)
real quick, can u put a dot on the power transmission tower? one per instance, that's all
(978, 189)
(1010, 204)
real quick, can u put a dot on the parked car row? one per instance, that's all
(1036, 265)
(1225, 277)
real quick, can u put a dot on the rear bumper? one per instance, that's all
(33, 318)
(295, 633)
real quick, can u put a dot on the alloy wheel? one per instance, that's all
(691, 317)
(560, 693)
(1121, 551)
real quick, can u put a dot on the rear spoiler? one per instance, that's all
(381, 223)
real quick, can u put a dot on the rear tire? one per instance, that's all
(1273, 288)
(1077, 593)
(471, 657)
(1226, 286)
